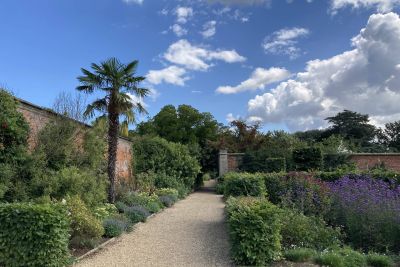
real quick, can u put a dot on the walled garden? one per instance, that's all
(328, 219)
(53, 200)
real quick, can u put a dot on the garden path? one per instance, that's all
(191, 233)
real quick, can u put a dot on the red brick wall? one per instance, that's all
(234, 161)
(362, 161)
(37, 119)
(366, 161)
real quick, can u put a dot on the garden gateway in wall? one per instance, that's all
(37, 118)
(228, 162)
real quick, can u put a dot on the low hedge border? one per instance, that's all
(34, 235)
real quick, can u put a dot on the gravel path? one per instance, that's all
(191, 233)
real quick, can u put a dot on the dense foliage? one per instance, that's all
(306, 159)
(186, 125)
(243, 184)
(300, 231)
(354, 210)
(254, 228)
(33, 235)
(166, 159)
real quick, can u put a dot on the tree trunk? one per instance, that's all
(113, 127)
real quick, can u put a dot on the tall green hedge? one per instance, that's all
(307, 159)
(254, 228)
(160, 156)
(244, 184)
(33, 235)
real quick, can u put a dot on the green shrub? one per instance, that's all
(344, 257)
(254, 228)
(162, 157)
(330, 259)
(300, 254)
(89, 186)
(83, 223)
(104, 211)
(254, 161)
(275, 185)
(56, 140)
(151, 202)
(220, 188)
(307, 159)
(14, 159)
(170, 192)
(206, 177)
(244, 184)
(334, 161)
(13, 129)
(82, 242)
(33, 235)
(379, 260)
(136, 213)
(302, 231)
(275, 164)
(120, 206)
(145, 181)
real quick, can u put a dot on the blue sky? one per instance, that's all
(233, 58)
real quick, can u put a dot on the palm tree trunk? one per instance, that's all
(113, 125)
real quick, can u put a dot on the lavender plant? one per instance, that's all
(369, 211)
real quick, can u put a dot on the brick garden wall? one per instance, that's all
(37, 119)
(367, 161)
(231, 161)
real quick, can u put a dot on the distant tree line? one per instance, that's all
(348, 131)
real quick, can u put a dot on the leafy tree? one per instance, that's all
(311, 136)
(117, 81)
(13, 148)
(353, 126)
(185, 125)
(390, 135)
(13, 129)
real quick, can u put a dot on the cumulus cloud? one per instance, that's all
(198, 58)
(284, 42)
(137, 100)
(178, 30)
(139, 2)
(258, 80)
(172, 74)
(183, 14)
(209, 29)
(380, 5)
(365, 79)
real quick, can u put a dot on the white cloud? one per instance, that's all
(380, 5)
(241, 2)
(197, 58)
(139, 2)
(209, 29)
(178, 30)
(137, 100)
(230, 117)
(183, 14)
(172, 74)
(365, 79)
(258, 80)
(284, 42)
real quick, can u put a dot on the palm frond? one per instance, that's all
(131, 68)
(98, 105)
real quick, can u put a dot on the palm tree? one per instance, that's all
(118, 82)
